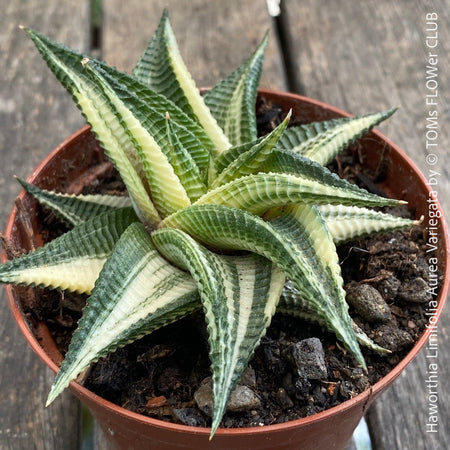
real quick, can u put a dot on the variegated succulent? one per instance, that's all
(215, 217)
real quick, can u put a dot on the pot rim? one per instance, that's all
(50, 354)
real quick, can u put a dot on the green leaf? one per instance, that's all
(75, 209)
(308, 233)
(232, 101)
(260, 192)
(247, 158)
(293, 304)
(239, 296)
(347, 223)
(167, 192)
(151, 109)
(183, 164)
(73, 260)
(137, 292)
(297, 242)
(322, 141)
(66, 65)
(161, 67)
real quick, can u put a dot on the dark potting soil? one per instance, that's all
(166, 375)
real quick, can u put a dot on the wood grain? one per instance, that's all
(214, 36)
(35, 115)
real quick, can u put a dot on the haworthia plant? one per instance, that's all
(199, 181)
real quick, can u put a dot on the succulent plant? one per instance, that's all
(216, 217)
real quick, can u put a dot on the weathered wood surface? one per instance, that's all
(360, 56)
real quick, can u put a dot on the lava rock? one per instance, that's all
(283, 399)
(189, 416)
(309, 358)
(302, 389)
(389, 287)
(415, 291)
(392, 338)
(369, 303)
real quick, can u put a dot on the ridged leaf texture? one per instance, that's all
(260, 192)
(247, 158)
(322, 141)
(232, 101)
(136, 293)
(286, 242)
(239, 296)
(347, 223)
(73, 260)
(162, 68)
(67, 67)
(75, 209)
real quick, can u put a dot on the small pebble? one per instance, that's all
(242, 398)
(189, 416)
(309, 357)
(369, 303)
(283, 399)
(415, 291)
(203, 396)
(392, 338)
(389, 287)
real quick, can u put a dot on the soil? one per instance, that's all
(159, 375)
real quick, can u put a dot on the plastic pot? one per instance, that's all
(78, 159)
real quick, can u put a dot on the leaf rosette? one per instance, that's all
(215, 218)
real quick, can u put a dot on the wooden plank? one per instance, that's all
(35, 115)
(364, 57)
(214, 36)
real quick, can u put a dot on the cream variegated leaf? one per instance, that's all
(183, 164)
(322, 141)
(247, 158)
(67, 67)
(162, 68)
(152, 109)
(239, 296)
(73, 260)
(262, 191)
(286, 242)
(232, 101)
(75, 209)
(167, 192)
(137, 292)
(347, 223)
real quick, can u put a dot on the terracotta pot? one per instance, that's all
(68, 164)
